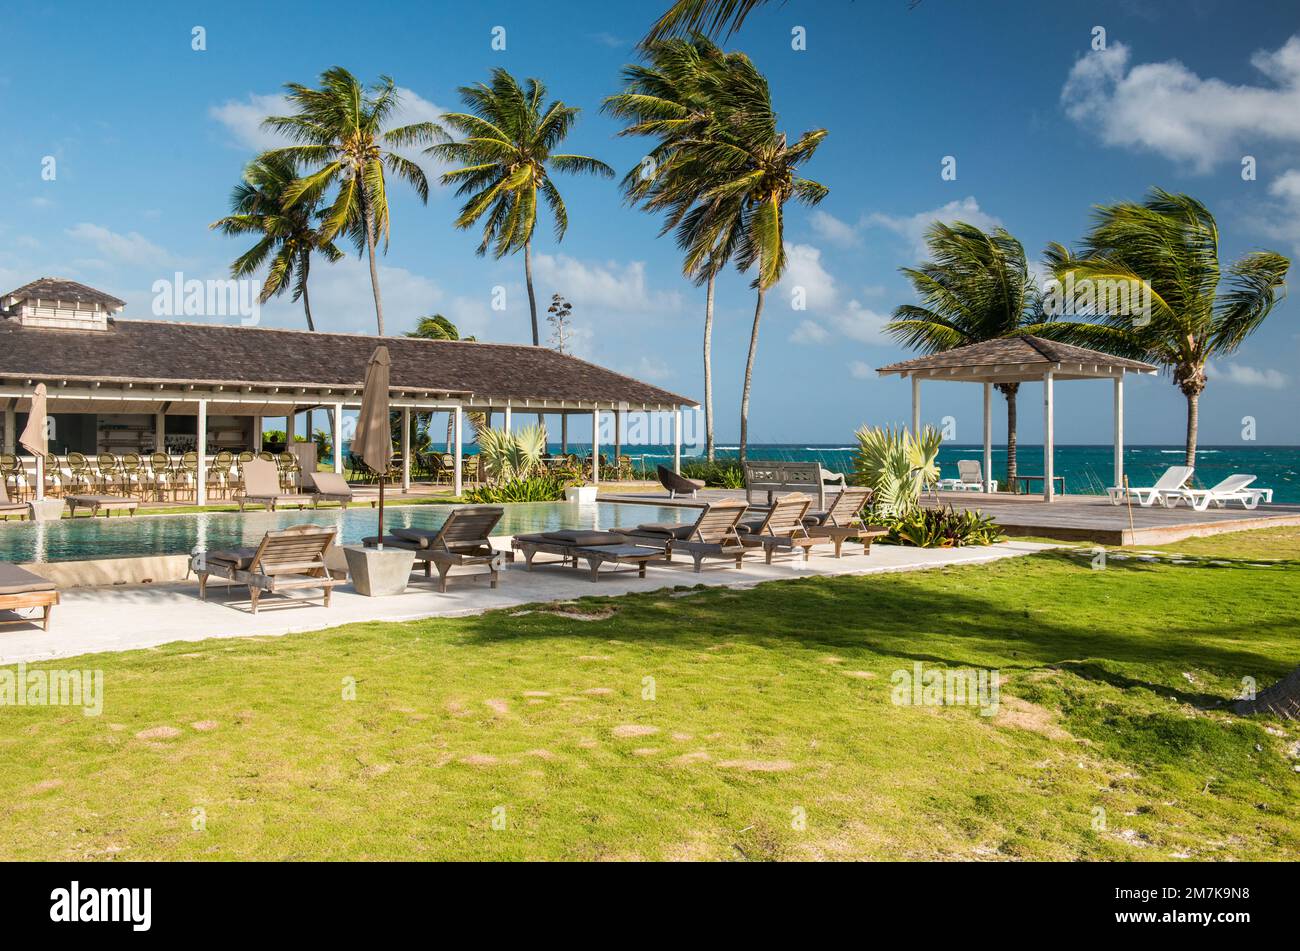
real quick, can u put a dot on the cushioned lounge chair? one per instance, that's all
(332, 487)
(1173, 481)
(677, 484)
(713, 534)
(781, 528)
(596, 548)
(262, 487)
(462, 542)
(1235, 488)
(286, 560)
(108, 504)
(7, 508)
(20, 588)
(843, 520)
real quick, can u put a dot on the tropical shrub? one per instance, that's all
(726, 473)
(897, 465)
(941, 528)
(510, 456)
(544, 487)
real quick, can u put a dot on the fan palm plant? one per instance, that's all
(507, 156)
(977, 287)
(341, 134)
(1167, 248)
(512, 455)
(287, 237)
(896, 465)
(670, 100)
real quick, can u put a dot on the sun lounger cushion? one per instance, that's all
(418, 537)
(663, 528)
(15, 580)
(99, 499)
(584, 538)
(816, 518)
(240, 558)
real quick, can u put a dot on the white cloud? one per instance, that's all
(1167, 109)
(805, 278)
(860, 371)
(861, 324)
(595, 288)
(834, 231)
(652, 369)
(1242, 375)
(1282, 220)
(913, 227)
(809, 331)
(129, 248)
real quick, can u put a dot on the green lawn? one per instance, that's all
(771, 733)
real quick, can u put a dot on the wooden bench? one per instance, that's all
(107, 503)
(20, 588)
(773, 477)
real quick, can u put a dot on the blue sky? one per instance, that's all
(149, 136)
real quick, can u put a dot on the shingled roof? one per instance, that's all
(59, 289)
(144, 352)
(1023, 350)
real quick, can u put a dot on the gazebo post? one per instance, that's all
(506, 424)
(1048, 438)
(1119, 429)
(406, 449)
(457, 463)
(201, 445)
(916, 405)
(677, 440)
(988, 437)
(338, 438)
(595, 446)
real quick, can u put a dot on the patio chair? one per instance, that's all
(970, 478)
(131, 469)
(844, 520)
(8, 508)
(186, 475)
(1174, 479)
(109, 475)
(162, 475)
(220, 474)
(1232, 489)
(286, 560)
(54, 476)
(262, 487)
(781, 527)
(332, 487)
(12, 471)
(715, 534)
(462, 541)
(20, 588)
(81, 475)
(675, 483)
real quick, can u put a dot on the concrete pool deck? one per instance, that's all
(133, 617)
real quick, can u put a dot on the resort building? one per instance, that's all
(119, 385)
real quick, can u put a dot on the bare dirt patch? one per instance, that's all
(686, 759)
(646, 751)
(542, 754)
(859, 674)
(599, 692)
(537, 693)
(758, 765)
(634, 729)
(479, 759)
(1023, 715)
(594, 657)
(204, 725)
(580, 612)
(158, 733)
(45, 785)
(499, 707)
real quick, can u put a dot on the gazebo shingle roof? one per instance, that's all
(150, 352)
(59, 289)
(1021, 350)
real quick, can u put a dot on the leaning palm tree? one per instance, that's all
(287, 237)
(1166, 250)
(507, 156)
(753, 171)
(341, 134)
(976, 287)
(669, 100)
(710, 17)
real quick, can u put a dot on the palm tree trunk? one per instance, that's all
(374, 271)
(1280, 700)
(528, 279)
(306, 300)
(749, 376)
(1193, 421)
(1011, 391)
(708, 368)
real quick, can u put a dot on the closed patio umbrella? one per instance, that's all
(32, 437)
(373, 440)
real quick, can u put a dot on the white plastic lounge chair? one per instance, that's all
(970, 478)
(1172, 481)
(1232, 489)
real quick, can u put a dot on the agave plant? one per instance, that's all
(897, 465)
(508, 456)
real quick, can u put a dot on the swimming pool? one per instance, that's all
(85, 539)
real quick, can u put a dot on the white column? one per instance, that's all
(406, 449)
(457, 483)
(11, 425)
(1119, 430)
(290, 427)
(988, 437)
(677, 440)
(595, 446)
(201, 449)
(506, 425)
(257, 435)
(160, 432)
(916, 405)
(338, 438)
(1048, 438)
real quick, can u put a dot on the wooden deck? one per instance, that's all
(1070, 517)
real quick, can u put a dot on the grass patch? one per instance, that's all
(697, 724)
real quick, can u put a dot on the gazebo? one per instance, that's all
(1024, 358)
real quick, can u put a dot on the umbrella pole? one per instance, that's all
(380, 544)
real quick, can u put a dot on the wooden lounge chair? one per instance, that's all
(97, 503)
(714, 534)
(7, 508)
(20, 588)
(1174, 479)
(780, 528)
(462, 541)
(332, 487)
(288, 559)
(844, 520)
(1232, 489)
(594, 547)
(676, 484)
(262, 487)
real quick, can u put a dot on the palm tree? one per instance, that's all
(709, 17)
(340, 131)
(669, 100)
(1167, 247)
(753, 171)
(438, 327)
(506, 158)
(977, 287)
(287, 236)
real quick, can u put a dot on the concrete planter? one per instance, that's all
(378, 574)
(584, 494)
(46, 510)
